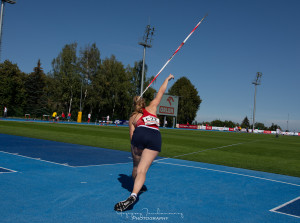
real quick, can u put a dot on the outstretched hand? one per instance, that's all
(171, 76)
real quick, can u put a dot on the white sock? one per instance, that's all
(133, 194)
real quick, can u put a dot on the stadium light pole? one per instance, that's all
(256, 82)
(81, 94)
(147, 37)
(1, 18)
(287, 122)
(86, 78)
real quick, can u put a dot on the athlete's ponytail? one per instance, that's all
(138, 105)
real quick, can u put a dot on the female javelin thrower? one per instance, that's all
(145, 141)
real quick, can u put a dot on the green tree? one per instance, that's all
(12, 88)
(230, 124)
(260, 126)
(274, 127)
(245, 123)
(189, 100)
(136, 77)
(115, 98)
(135, 74)
(89, 63)
(149, 94)
(66, 81)
(217, 123)
(36, 98)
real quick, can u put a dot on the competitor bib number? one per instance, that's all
(150, 120)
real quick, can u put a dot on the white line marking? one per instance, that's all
(102, 164)
(239, 174)
(11, 171)
(200, 151)
(285, 214)
(65, 164)
(280, 206)
(38, 159)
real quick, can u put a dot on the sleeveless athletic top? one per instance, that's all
(148, 120)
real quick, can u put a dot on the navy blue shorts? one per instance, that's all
(146, 138)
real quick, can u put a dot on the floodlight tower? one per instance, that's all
(256, 82)
(147, 43)
(1, 17)
(287, 122)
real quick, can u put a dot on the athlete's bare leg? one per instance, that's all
(146, 160)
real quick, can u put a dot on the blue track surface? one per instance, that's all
(61, 153)
(46, 189)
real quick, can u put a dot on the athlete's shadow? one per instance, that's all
(126, 182)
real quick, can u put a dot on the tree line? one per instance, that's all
(244, 124)
(81, 81)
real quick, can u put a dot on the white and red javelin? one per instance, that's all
(173, 55)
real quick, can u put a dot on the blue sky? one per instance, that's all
(237, 39)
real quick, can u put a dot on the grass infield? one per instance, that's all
(249, 151)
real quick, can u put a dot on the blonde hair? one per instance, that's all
(138, 105)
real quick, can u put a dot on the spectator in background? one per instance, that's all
(278, 132)
(63, 116)
(5, 112)
(54, 116)
(69, 116)
(89, 118)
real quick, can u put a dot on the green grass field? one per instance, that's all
(250, 151)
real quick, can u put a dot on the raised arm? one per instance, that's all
(155, 102)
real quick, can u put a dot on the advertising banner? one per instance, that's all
(188, 126)
(208, 127)
(168, 105)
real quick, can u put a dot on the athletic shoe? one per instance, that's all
(123, 205)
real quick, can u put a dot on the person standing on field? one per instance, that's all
(89, 118)
(278, 132)
(54, 116)
(63, 116)
(69, 117)
(5, 112)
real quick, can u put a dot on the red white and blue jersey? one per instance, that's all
(148, 120)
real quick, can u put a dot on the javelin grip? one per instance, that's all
(173, 55)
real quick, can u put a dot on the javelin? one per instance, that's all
(173, 55)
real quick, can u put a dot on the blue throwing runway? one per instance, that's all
(46, 181)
